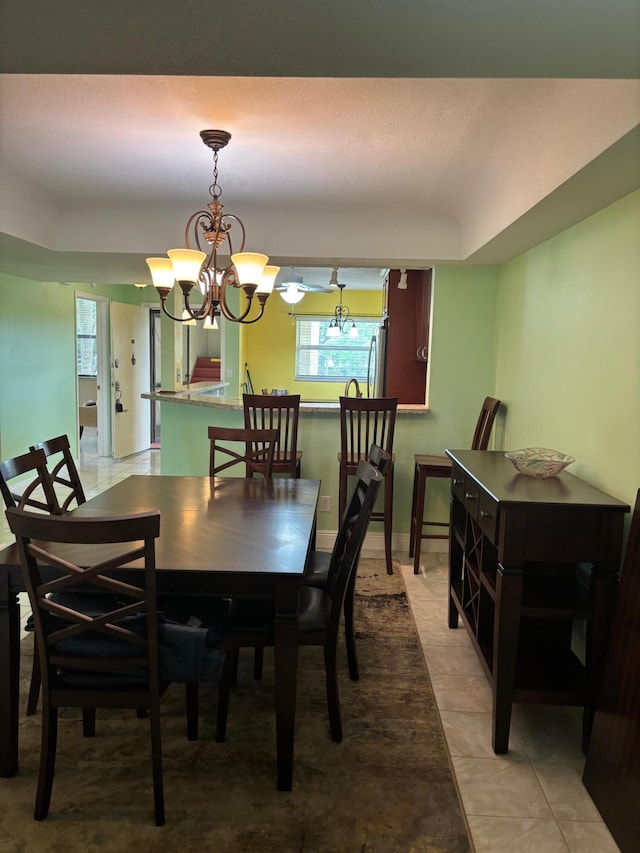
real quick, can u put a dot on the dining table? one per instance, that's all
(228, 537)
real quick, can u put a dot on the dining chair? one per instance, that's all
(29, 463)
(124, 673)
(365, 421)
(64, 472)
(427, 466)
(259, 446)
(251, 621)
(317, 573)
(34, 463)
(281, 412)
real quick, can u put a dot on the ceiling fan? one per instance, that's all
(294, 287)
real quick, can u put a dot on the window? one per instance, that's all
(323, 359)
(86, 337)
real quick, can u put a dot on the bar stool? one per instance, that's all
(281, 412)
(440, 466)
(365, 421)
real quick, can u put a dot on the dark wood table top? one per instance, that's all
(219, 526)
(501, 480)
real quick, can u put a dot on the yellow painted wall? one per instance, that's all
(269, 346)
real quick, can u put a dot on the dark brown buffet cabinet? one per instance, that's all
(530, 561)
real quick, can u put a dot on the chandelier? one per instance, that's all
(206, 233)
(342, 323)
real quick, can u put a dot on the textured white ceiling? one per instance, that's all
(363, 170)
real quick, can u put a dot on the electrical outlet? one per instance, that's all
(325, 503)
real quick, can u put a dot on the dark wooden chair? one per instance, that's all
(317, 574)
(427, 466)
(123, 674)
(39, 492)
(251, 622)
(257, 455)
(265, 411)
(365, 421)
(64, 472)
(613, 756)
(28, 463)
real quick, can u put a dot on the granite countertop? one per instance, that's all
(209, 396)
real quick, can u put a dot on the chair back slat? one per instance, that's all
(482, 432)
(63, 471)
(33, 462)
(257, 454)
(279, 412)
(365, 421)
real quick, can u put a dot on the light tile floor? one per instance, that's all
(528, 801)
(531, 799)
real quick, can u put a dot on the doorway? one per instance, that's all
(155, 377)
(92, 371)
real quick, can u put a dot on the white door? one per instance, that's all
(130, 414)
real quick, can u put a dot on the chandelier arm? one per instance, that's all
(197, 313)
(227, 312)
(167, 312)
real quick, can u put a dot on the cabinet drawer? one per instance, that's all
(457, 482)
(488, 515)
(471, 495)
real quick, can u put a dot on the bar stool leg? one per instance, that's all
(421, 478)
(388, 517)
(412, 529)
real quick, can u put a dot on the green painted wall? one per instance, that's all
(38, 391)
(555, 334)
(568, 347)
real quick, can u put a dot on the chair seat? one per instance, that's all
(353, 459)
(256, 616)
(317, 570)
(436, 466)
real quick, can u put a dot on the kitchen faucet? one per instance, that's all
(348, 386)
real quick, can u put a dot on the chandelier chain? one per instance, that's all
(215, 189)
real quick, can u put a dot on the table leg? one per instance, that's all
(10, 678)
(285, 675)
(506, 632)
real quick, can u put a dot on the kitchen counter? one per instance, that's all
(212, 396)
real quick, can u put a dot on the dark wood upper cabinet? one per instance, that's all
(407, 313)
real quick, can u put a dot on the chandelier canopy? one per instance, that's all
(207, 232)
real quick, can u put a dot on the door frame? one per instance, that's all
(103, 378)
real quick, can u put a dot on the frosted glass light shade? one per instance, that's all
(353, 331)
(333, 332)
(162, 273)
(268, 279)
(187, 319)
(292, 295)
(186, 263)
(249, 266)
(210, 324)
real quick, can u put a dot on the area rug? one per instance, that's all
(387, 787)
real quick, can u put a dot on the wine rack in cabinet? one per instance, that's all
(530, 561)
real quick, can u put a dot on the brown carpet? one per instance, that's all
(387, 787)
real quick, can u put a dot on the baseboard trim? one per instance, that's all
(374, 541)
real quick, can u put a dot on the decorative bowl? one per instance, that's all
(539, 461)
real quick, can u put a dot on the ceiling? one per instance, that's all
(448, 132)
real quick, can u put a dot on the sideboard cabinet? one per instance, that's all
(530, 562)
